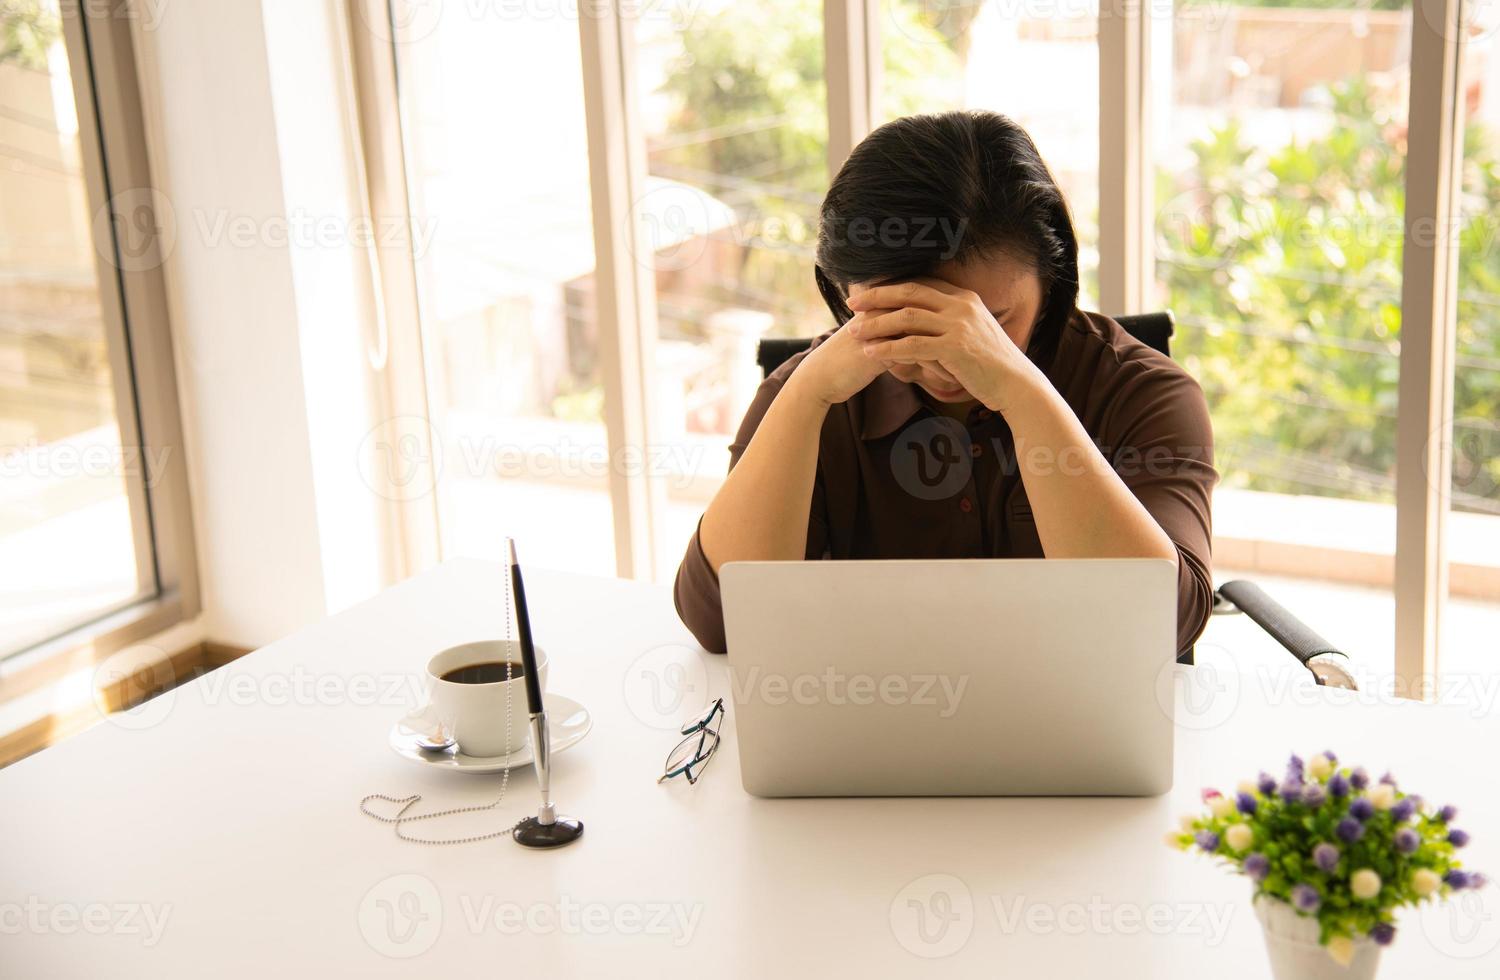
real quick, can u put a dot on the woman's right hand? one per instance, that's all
(838, 368)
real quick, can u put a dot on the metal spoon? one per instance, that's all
(438, 739)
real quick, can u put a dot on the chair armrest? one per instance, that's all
(1326, 662)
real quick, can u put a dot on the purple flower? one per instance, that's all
(1457, 879)
(1294, 768)
(1331, 757)
(1383, 933)
(1266, 785)
(1349, 830)
(1246, 803)
(1208, 840)
(1458, 838)
(1403, 810)
(1407, 840)
(1388, 780)
(1359, 779)
(1326, 856)
(1338, 785)
(1478, 879)
(1257, 866)
(1361, 808)
(1447, 813)
(1291, 790)
(1306, 898)
(1314, 795)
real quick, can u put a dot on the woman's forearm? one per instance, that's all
(1082, 507)
(760, 513)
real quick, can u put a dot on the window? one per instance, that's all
(85, 502)
(505, 273)
(1256, 182)
(1474, 523)
(733, 109)
(1279, 183)
(992, 55)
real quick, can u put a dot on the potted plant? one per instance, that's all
(1332, 855)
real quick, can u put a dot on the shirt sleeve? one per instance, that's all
(1163, 451)
(696, 590)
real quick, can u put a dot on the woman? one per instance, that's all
(964, 407)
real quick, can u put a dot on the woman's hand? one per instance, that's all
(838, 368)
(934, 323)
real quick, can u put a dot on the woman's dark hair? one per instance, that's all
(923, 191)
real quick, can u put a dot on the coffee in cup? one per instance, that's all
(470, 695)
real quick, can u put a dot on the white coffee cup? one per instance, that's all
(476, 713)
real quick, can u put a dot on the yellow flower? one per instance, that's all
(1425, 881)
(1341, 948)
(1365, 884)
(1383, 796)
(1239, 836)
(1320, 766)
(1221, 806)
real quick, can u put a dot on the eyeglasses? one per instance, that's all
(693, 753)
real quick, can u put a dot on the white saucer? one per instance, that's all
(567, 723)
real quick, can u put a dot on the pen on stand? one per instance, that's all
(546, 829)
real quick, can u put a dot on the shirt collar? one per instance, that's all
(887, 403)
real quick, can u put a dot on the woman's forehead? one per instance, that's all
(999, 280)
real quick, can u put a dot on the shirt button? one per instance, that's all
(976, 450)
(965, 506)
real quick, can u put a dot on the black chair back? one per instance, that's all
(1152, 329)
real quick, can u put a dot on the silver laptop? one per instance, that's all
(952, 678)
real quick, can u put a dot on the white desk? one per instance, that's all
(230, 808)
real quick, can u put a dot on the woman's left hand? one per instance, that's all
(933, 322)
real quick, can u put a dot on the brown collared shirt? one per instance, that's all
(897, 480)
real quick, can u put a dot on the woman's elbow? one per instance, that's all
(1195, 600)
(701, 614)
(707, 631)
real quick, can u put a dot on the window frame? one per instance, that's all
(1429, 329)
(625, 287)
(133, 307)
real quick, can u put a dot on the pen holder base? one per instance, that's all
(533, 833)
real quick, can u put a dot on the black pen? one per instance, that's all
(545, 829)
(523, 625)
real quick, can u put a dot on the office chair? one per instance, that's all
(1328, 664)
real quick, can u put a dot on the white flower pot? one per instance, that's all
(1292, 945)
